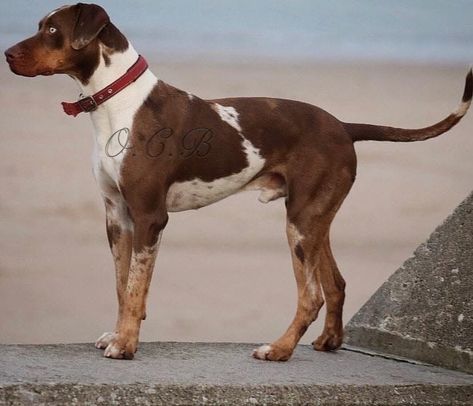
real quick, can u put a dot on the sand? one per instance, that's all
(223, 272)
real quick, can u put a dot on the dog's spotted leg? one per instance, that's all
(119, 233)
(310, 211)
(310, 298)
(333, 286)
(146, 237)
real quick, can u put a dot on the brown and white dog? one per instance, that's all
(159, 149)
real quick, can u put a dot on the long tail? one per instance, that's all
(362, 132)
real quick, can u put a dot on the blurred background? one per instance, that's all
(224, 272)
(303, 30)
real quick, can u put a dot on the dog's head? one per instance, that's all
(69, 40)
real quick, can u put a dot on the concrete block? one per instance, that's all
(424, 311)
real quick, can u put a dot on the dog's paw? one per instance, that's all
(117, 350)
(327, 342)
(262, 352)
(271, 353)
(104, 340)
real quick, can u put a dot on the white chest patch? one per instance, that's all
(113, 120)
(196, 193)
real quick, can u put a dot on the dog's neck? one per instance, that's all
(111, 66)
(117, 112)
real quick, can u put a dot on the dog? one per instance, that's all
(159, 149)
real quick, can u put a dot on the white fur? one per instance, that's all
(116, 113)
(229, 115)
(113, 351)
(309, 273)
(117, 214)
(104, 340)
(268, 195)
(295, 234)
(262, 351)
(462, 108)
(55, 11)
(141, 263)
(196, 193)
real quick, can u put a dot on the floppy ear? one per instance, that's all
(91, 19)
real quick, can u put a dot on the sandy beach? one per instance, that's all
(223, 272)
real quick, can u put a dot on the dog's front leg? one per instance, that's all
(119, 233)
(147, 230)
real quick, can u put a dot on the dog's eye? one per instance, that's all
(52, 30)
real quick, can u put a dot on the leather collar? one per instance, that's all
(90, 103)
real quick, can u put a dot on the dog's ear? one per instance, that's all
(90, 20)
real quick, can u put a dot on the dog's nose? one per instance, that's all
(12, 53)
(8, 54)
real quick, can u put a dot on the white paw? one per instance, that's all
(262, 352)
(113, 351)
(104, 340)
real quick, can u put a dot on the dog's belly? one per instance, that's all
(197, 193)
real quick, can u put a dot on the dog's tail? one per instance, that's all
(362, 132)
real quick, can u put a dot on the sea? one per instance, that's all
(418, 31)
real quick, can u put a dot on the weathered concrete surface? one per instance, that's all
(425, 309)
(183, 373)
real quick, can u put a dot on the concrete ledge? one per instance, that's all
(198, 373)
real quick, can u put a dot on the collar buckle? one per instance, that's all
(88, 104)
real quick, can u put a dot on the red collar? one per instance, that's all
(90, 103)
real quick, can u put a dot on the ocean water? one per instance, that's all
(439, 31)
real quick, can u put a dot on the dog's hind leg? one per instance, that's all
(119, 233)
(309, 293)
(311, 208)
(333, 286)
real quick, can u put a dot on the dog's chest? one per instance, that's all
(106, 163)
(113, 128)
(110, 147)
